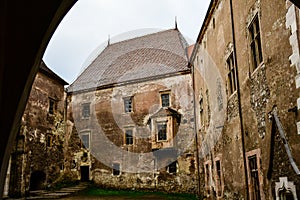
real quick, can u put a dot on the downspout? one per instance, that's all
(195, 130)
(239, 100)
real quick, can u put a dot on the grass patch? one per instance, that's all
(93, 191)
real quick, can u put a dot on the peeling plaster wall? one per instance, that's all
(39, 144)
(272, 83)
(107, 115)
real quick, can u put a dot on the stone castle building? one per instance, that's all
(38, 155)
(246, 71)
(132, 108)
(145, 114)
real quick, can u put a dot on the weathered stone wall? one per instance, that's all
(108, 120)
(37, 157)
(271, 84)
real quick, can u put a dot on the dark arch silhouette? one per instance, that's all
(26, 28)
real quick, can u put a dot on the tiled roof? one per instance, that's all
(136, 59)
(45, 70)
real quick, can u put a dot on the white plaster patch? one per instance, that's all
(298, 81)
(298, 128)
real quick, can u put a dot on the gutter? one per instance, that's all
(239, 100)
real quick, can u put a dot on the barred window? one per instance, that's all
(128, 104)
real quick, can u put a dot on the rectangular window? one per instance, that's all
(116, 169)
(162, 131)
(85, 138)
(86, 110)
(128, 104)
(218, 178)
(49, 141)
(172, 168)
(201, 112)
(207, 177)
(254, 177)
(128, 137)
(165, 100)
(52, 106)
(231, 74)
(255, 43)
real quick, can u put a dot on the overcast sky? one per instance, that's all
(85, 29)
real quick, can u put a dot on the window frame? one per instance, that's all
(257, 154)
(219, 176)
(52, 106)
(83, 134)
(125, 137)
(255, 43)
(86, 110)
(116, 170)
(128, 101)
(162, 100)
(173, 165)
(231, 74)
(158, 125)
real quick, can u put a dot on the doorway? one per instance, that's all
(85, 173)
(37, 180)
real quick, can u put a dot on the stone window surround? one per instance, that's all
(163, 92)
(128, 104)
(231, 75)
(219, 158)
(85, 110)
(86, 132)
(285, 184)
(257, 153)
(113, 170)
(160, 122)
(254, 12)
(208, 175)
(52, 105)
(128, 128)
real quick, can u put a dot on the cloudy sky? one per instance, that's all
(86, 28)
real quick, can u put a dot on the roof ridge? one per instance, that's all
(139, 37)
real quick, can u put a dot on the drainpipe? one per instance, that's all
(195, 130)
(239, 100)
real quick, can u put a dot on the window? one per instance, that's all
(201, 111)
(172, 168)
(162, 131)
(254, 179)
(231, 74)
(49, 141)
(218, 178)
(86, 110)
(286, 195)
(52, 106)
(207, 176)
(116, 169)
(128, 104)
(85, 138)
(165, 100)
(255, 43)
(128, 137)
